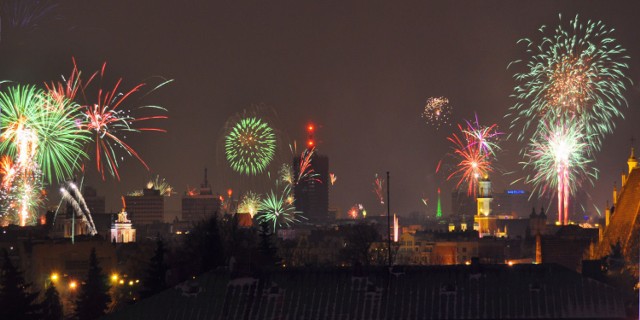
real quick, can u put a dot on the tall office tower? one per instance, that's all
(200, 204)
(312, 195)
(147, 208)
(95, 203)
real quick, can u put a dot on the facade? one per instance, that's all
(312, 195)
(200, 204)
(622, 223)
(121, 230)
(147, 208)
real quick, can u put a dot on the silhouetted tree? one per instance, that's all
(268, 251)
(16, 301)
(155, 279)
(358, 239)
(203, 246)
(93, 298)
(51, 306)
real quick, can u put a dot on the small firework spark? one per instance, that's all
(437, 111)
(333, 178)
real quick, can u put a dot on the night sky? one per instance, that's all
(360, 71)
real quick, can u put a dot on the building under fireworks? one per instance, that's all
(147, 208)
(199, 204)
(312, 195)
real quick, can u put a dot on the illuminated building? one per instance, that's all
(121, 229)
(147, 208)
(484, 222)
(621, 222)
(199, 204)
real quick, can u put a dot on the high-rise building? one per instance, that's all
(462, 204)
(95, 203)
(200, 204)
(147, 208)
(312, 195)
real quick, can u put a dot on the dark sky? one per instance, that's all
(360, 70)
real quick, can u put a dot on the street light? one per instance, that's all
(54, 277)
(73, 284)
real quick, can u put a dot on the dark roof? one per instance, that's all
(436, 292)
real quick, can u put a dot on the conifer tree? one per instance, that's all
(154, 281)
(93, 298)
(16, 300)
(51, 306)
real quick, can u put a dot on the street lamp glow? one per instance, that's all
(54, 277)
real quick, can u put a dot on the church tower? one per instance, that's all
(632, 161)
(484, 197)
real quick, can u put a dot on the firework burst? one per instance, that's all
(250, 203)
(250, 146)
(473, 162)
(56, 143)
(575, 74)
(560, 160)
(276, 210)
(437, 111)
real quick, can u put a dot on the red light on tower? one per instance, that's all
(311, 143)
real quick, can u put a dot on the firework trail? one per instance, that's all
(378, 188)
(332, 178)
(437, 111)
(306, 173)
(560, 160)
(571, 75)
(72, 196)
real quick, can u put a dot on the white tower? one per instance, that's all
(484, 197)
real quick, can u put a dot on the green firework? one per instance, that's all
(60, 141)
(250, 146)
(572, 74)
(277, 209)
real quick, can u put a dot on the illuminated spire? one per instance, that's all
(632, 162)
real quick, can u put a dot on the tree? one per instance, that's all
(203, 246)
(268, 252)
(51, 306)
(93, 298)
(16, 301)
(358, 239)
(155, 280)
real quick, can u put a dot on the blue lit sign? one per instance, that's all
(515, 191)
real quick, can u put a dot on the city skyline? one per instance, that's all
(362, 73)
